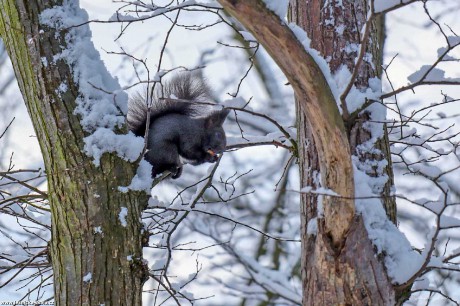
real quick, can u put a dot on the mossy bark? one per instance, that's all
(83, 197)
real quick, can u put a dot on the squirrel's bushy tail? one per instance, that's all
(185, 85)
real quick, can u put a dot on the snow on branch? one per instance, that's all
(431, 74)
(145, 11)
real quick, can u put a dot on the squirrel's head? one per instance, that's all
(215, 141)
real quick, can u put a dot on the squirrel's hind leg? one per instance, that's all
(163, 156)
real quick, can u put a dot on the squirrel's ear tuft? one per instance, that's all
(216, 118)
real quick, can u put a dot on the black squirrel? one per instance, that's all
(180, 130)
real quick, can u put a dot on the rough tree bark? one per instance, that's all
(82, 196)
(308, 81)
(339, 263)
(352, 274)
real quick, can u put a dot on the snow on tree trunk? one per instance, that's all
(96, 256)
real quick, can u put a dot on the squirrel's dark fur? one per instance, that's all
(179, 131)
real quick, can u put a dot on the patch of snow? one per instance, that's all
(247, 36)
(340, 29)
(251, 139)
(279, 7)
(401, 261)
(142, 180)
(103, 140)
(312, 227)
(155, 203)
(428, 73)
(62, 88)
(87, 278)
(153, 10)
(320, 61)
(101, 104)
(320, 190)
(122, 216)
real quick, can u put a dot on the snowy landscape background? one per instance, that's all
(410, 36)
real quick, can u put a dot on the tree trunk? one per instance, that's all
(90, 247)
(353, 274)
(339, 263)
(306, 78)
